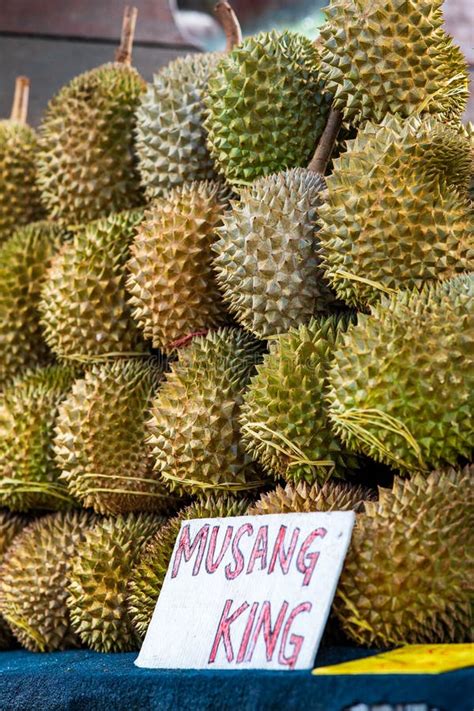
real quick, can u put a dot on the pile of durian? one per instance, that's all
(245, 287)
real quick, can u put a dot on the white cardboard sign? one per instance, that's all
(248, 592)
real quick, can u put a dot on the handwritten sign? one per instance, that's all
(248, 592)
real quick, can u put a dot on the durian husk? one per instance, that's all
(407, 577)
(149, 572)
(33, 581)
(306, 498)
(10, 526)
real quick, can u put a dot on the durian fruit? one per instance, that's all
(396, 212)
(172, 282)
(195, 435)
(402, 380)
(24, 260)
(86, 162)
(98, 581)
(388, 56)
(84, 304)
(267, 260)
(266, 106)
(149, 572)
(468, 132)
(284, 419)
(29, 477)
(10, 526)
(100, 442)
(33, 581)
(19, 195)
(315, 497)
(407, 577)
(171, 141)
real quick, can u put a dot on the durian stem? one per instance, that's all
(124, 53)
(231, 26)
(20, 100)
(322, 154)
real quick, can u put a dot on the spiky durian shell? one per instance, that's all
(172, 282)
(396, 212)
(391, 57)
(24, 260)
(100, 438)
(402, 380)
(86, 163)
(149, 572)
(306, 497)
(10, 526)
(19, 195)
(267, 259)
(284, 419)
(407, 577)
(33, 581)
(194, 426)
(28, 411)
(98, 581)
(84, 304)
(468, 132)
(266, 106)
(171, 140)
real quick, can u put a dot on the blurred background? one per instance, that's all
(53, 40)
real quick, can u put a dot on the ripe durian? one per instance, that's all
(10, 526)
(86, 163)
(195, 432)
(402, 380)
(99, 577)
(33, 581)
(172, 282)
(468, 132)
(407, 577)
(266, 106)
(310, 498)
(284, 418)
(19, 195)
(171, 141)
(24, 260)
(149, 572)
(396, 212)
(84, 304)
(388, 56)
(100, 438)
(28, 411)
(267, 260)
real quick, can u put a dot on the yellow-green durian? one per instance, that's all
(10, 526)
(306, 498)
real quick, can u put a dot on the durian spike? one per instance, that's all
(123, 54)
(319, 161)
(20, 100)
(230, 24)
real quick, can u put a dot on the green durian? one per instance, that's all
(195, 434)
(172, 281)
(267, 260)
(100, 444)
(468, 132)
(171, 140)
(402, 380)
(29, 477)
(98, 581)
(284, 418)
(86, 162)
(33, 581)
(149, 572)
(396, 212)
(391, 57)
(19, 195)
(10, 526)
(266, 106)
(24, 260)
(407, 577)
(305, 498)
(84, 304)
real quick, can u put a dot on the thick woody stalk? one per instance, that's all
(124, 52)
(230, 24)
(324, 149)
(20, 100)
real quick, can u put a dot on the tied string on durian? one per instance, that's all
(125, 492)
(11, 487)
